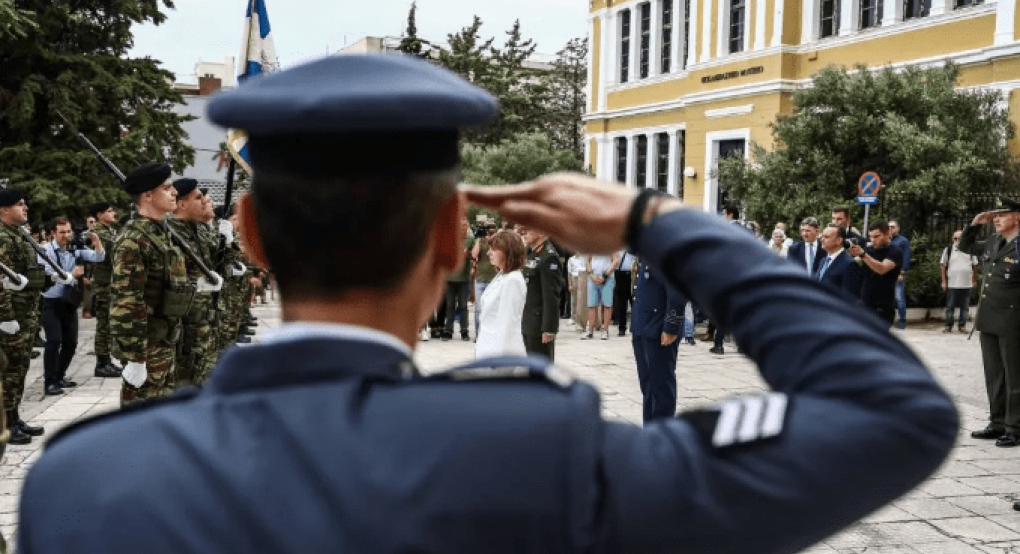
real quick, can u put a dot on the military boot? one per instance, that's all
(17, 436)
(105, 367)
(29, 430)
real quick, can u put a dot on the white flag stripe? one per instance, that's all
(726, 427)
(754, 407)
(775, 415)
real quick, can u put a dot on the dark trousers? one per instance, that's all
(60, 320)
(457, 295)
(1001, 356)
(656, 366)
(886, 313)
(533, 345)
(957, 298)
(622, 298)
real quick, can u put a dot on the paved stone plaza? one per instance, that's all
(965, 509)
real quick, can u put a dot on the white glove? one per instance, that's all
(10, 327)
(135, 374)
(68, 282)
(10, 285)
(227, 231)
(205, 285)
(238, 269)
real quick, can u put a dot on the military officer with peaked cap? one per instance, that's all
(325, 438)
(998, 318)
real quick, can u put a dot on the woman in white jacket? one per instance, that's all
(501, 306)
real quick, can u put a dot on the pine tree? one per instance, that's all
(568, 97)
(74, 60)
(410, 43)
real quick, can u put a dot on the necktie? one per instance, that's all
(811, 257)
(825, 265)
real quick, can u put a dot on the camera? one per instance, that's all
(482, 231)
(82, 239)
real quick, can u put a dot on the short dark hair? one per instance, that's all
(60, 220)
(369, 229)
(879, 226)
(512, 246)
(842, 210)
(732, 210)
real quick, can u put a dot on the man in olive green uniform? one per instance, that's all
(998, 318)
(231, 299)
(19, 310)
(151, 292)
(541, 319)
(190, 220)
(106, 229)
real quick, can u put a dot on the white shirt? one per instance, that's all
(832, 258)
(959, 268)
(301, 330)
(809, 249)
(576, 265)
(500, 314)
(600, 264)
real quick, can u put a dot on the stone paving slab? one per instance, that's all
(966, 508)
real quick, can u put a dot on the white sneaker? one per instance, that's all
(605, 335)
(587, 336)
(425, 335)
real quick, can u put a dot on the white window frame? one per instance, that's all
(712, 140)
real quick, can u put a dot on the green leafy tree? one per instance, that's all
(410, 43)
(15, 22)
(73, 59)
(519, 159)
(913, 127)
(567, 102)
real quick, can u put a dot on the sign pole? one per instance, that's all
(867, 212)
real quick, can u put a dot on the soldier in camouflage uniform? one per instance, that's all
(231, 298)
(19, 310)
(106, 229)
(191, 221)
(151, 293)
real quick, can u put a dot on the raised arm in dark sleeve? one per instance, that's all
(863, 423)
(969, 242)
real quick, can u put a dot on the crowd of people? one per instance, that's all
(162, 318)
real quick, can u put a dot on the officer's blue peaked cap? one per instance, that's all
(354, 113)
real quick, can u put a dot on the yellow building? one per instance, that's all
(675, 84)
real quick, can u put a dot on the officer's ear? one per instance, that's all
(251, 243)
(448, 233)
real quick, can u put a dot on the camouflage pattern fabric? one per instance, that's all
(23, 307)
(197, 340)
(231, 298)
(210, 346)
(146, 265)
(101, 289)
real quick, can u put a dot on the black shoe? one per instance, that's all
(18, 436)
(36, 354)
(107, 371)
(53, 390)
(247, 331)
(465, 337)
(690, 341)
(446, 337)
(66, 383)
(1016, 506)
(962, 328)
(717, 350)
(29, 430)
(39, 343)
(989, 433)
(1008, 440)
(241, 339)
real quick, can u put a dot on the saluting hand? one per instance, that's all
(982, 218)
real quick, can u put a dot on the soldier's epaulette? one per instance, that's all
(741, 420)
(514, 368)
(182, 395)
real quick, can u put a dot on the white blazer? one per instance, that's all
(501, 309)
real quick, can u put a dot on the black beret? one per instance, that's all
(1005, 205)
(146, 177)
(185, 186)
(99, 207)
(9, 197)
(354, 113)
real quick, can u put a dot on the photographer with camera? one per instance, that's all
(484, 271)
(880, 265)
(61, 301)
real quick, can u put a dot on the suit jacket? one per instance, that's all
(796, 254)
(657, 309)
(545, 285)
(999, 312)
(330, 444)
(843, 274)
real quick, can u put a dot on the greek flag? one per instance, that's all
(258, 56)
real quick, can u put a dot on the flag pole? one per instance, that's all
(232, 168)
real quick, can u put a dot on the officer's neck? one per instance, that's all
(151, 212)
(382, 311)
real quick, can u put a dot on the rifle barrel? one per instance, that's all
(42, 253)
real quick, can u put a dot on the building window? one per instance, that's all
(967, 3)
(624, 45)
(621, 159)
(916, 8)
(871, 13)
(737, 10)
(829, 24)
(646, 38)
(662, 162)
(642, 161)
(681, 160)
(667, 35)
(687, 32)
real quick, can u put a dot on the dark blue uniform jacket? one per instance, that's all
(657, 309)
(322, 446)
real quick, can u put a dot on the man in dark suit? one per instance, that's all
(806, 252)
(541, 320)
(655, 324)
(837, 269)
(998, 318)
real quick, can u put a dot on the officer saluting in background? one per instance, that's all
(998, 318)
(323, 435)
(541, 319)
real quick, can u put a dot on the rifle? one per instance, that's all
(10, 273)
(174, 235)
(42, 253)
